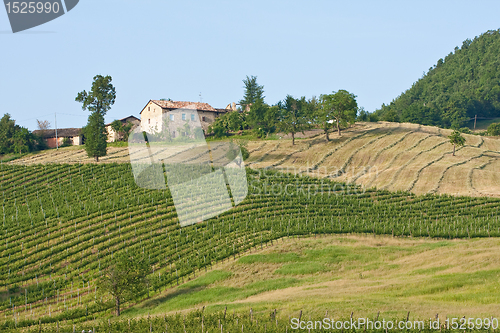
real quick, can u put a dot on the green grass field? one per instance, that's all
(342, 274)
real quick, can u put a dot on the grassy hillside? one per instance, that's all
(62, 224)
(341, 274)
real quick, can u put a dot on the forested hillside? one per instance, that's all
(463, 84)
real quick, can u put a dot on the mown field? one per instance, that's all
(390, 156)
(62, 224)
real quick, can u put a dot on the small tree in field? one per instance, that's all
(456, 139)
(125, 279)
(98, 101)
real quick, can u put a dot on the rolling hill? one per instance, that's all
(343, 219)
(390, 156)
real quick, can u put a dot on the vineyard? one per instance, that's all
(63, 223)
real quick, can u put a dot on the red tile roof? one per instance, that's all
(180, 104)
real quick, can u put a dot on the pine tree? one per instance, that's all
(253, 93)
(98, 101)
(95, 136)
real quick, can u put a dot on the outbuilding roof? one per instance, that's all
(61, 133)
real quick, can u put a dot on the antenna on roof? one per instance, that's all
(201, 99)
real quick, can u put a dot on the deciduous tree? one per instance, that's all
(125, 279)
(340, 106)
(292, 116)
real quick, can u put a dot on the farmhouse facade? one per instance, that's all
(113, 136)
(152, 114)
(74, 134)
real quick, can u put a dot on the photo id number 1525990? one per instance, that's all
(32, 7)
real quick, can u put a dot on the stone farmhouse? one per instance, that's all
(152, 113)
(49, 135)
(113, 136)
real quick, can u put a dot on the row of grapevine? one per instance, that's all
(63, 224)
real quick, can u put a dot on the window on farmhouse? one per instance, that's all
(192, 117)
(172, 117)
(203, 119)
(183, 116)
(149, 121)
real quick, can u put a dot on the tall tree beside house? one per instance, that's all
(98, 101)
(125, 279)
(340, 106)
(293, 116)
(23, 141)
(253, 92)
(95, 135)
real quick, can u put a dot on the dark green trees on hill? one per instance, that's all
(463, 84)
(16, 139)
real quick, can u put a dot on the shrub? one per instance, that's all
(244, 153)
(67, 142)
(259, 132)
(494, 129)
(372, 117)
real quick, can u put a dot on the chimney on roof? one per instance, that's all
(231, 106)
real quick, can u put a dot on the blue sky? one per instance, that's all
(177, 49)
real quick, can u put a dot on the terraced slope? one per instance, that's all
(391, 156)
